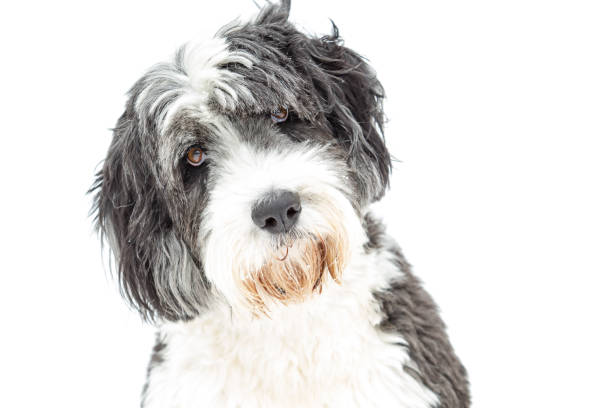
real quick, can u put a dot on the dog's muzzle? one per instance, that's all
(301, 262)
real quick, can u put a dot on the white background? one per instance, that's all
(500, 116)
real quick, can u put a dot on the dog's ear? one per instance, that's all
(157, 273)
(353, 99)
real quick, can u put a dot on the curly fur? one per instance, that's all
(188, 255)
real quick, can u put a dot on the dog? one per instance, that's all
(235, 198)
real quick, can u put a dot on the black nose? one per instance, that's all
(277, 211)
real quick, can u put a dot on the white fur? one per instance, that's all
(204, 81)
(229, 236)
(326, 352)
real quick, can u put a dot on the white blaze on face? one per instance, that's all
(234, 249)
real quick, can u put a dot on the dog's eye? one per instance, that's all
(195, 156)
(280, 114)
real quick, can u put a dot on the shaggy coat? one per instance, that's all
(327, 313)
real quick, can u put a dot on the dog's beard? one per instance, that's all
(295, 270)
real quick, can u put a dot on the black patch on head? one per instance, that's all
(323, 83)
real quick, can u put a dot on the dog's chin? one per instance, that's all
(294, 272)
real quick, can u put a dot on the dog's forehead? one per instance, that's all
(278, 75)
(245, 69)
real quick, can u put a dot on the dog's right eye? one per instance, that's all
(280, 114)
(195, 156)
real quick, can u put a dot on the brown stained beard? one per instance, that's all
(292, 275)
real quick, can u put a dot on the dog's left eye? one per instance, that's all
(280, 114)
(195, 156)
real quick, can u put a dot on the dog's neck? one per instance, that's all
(302, 348)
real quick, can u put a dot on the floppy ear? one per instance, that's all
(155, 268)
(353, 97)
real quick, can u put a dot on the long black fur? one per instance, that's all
(150, 214)
(326, 83)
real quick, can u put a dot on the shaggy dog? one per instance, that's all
(235, 199)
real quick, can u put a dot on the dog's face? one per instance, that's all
(239, 170)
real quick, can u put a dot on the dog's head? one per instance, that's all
(240, 169)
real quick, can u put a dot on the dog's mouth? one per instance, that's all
(295, 270)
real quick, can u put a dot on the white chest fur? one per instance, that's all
(326, 352)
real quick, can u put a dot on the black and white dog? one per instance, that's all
(235, 198)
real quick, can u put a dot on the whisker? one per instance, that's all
(284, 257)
